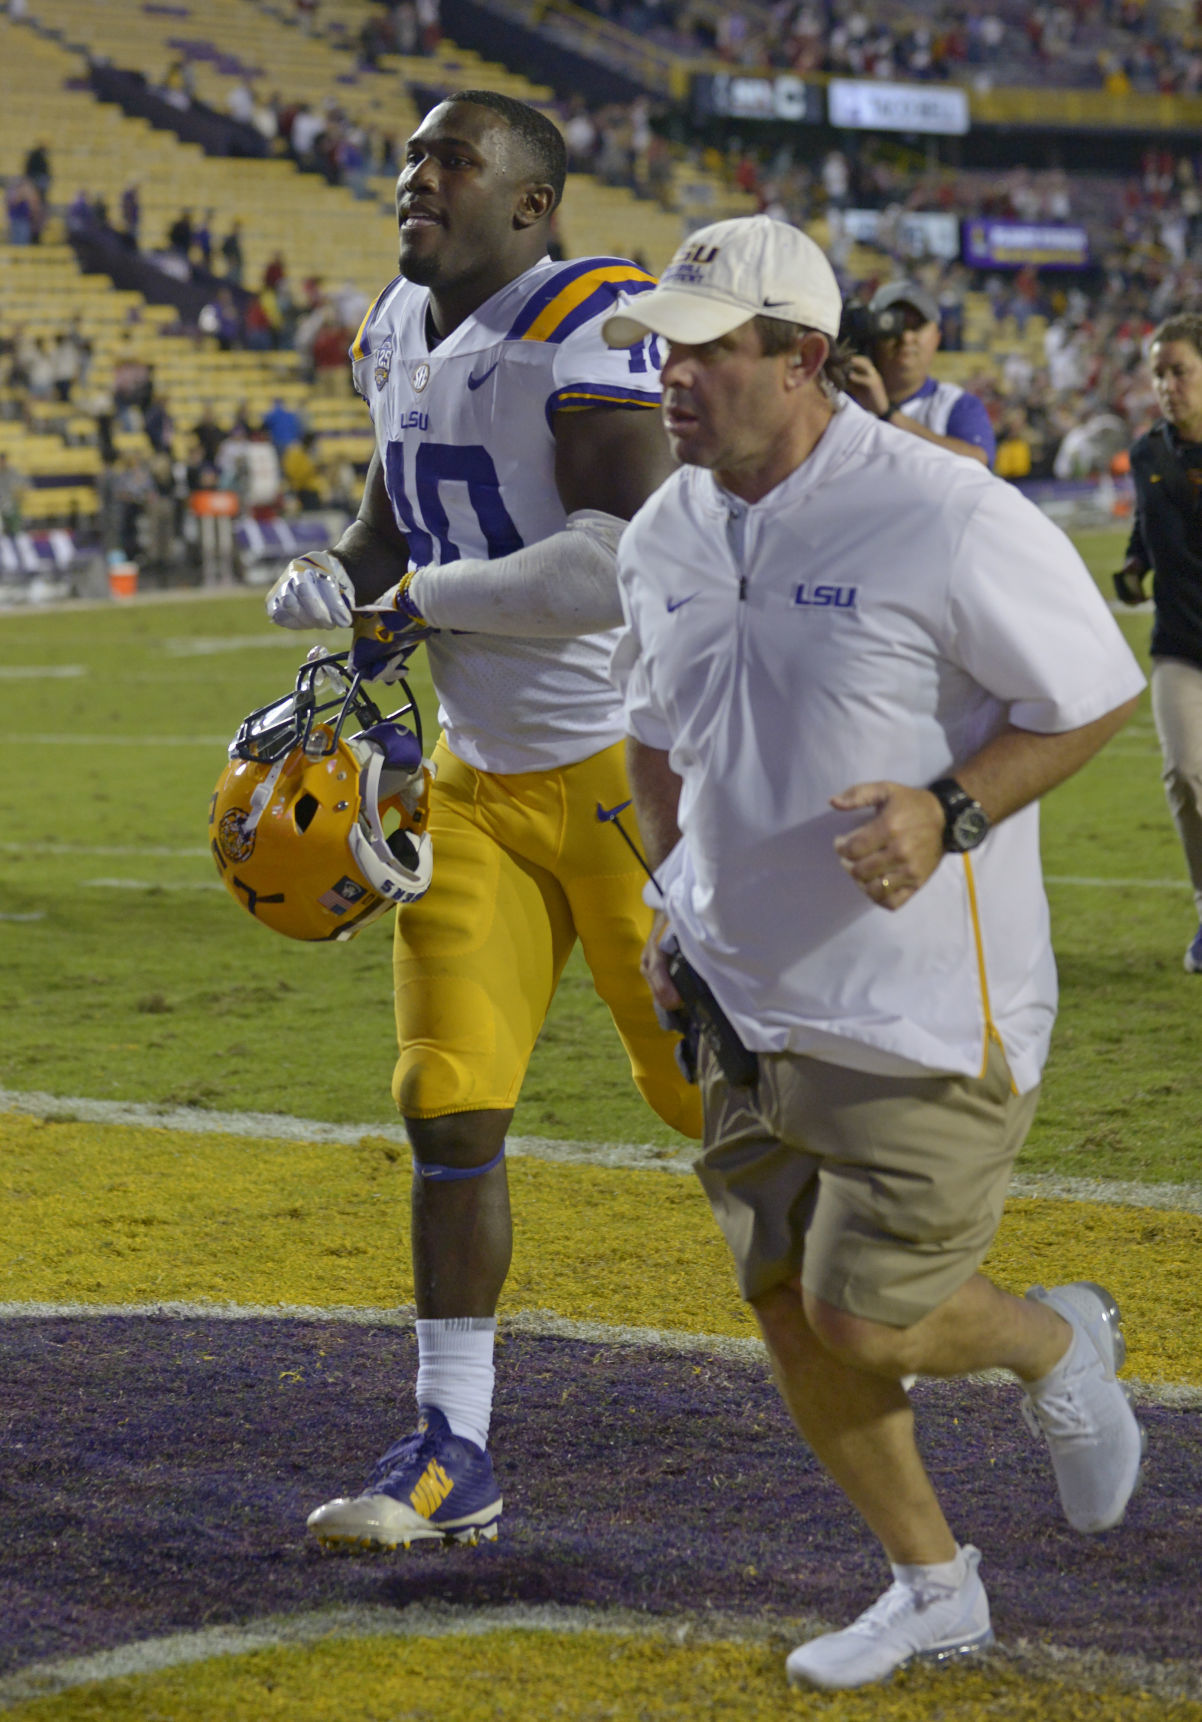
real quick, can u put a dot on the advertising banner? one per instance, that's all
(1012, 244)
(877, 107)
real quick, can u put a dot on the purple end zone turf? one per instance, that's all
(157, 1474)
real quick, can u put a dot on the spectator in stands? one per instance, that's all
(131, 384)
(179, 85)
(202, 242)
(580, 136)
(209, 433)
(221, 317)
(37, 169)
(303, 134)
(81, 215)
(895, 384)
(21, 355)
(131, 214)
(250, 466)
(12, 491)
(67, 363)
(376, 36)
(258, 334)
(836, 179)
(408, 30)
(331, 343)
(301, 472)
(429, 26)
(283, 424)
(240, 102)
(24, 210)
(231, 253)
(96, 401)
(200, 471)
(129, 489)
(276, 306)
(158, 423)
(350, 158)
(180, 234)
(39, 370)
(162, 516)
(1013, 458)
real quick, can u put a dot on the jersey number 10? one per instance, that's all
(443, 462)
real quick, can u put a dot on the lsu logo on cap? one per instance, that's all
(383, 362)
(690, 263)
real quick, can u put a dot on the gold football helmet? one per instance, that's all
(297, 821)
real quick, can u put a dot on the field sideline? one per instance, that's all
(205, 1304)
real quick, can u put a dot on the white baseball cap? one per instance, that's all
(725, 274)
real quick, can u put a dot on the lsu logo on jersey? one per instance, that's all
(383, 362)
(814, 597)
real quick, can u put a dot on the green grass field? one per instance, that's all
(127, 973)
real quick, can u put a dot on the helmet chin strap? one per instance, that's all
(261, 798)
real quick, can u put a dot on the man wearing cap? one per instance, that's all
(850, 667)
(895, 382)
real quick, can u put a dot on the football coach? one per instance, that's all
(852, 663)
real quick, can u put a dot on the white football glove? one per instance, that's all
(313, 592)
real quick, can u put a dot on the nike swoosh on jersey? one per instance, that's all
(476, 382)
(675, 603)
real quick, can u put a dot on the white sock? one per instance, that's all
(948, 1575)
(455, 1372)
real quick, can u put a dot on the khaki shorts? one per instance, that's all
(884, 1192)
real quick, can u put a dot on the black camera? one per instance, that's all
(861, 327)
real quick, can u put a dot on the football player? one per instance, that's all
(512, 445)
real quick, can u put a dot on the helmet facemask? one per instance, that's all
(315, 833)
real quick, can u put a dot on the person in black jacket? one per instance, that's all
(1166, 537)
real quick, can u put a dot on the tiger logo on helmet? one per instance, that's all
(316, 833)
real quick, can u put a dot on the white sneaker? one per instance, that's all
(915, 1617)
(1083, 1413)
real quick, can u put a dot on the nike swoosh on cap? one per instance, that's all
(475, 382)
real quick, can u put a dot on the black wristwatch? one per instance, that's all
(965, 821)
(888, 413)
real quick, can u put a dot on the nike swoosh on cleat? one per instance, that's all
(675, 603)
(475, 382)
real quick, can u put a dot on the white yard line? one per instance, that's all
(147, 851)
(151, 885)
(41, 672)
(83, 739)
(278, 1127)
(1091, 1670)
(152, 851)
(202, 646)
(1117, 884)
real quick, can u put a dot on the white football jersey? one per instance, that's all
(465, 434)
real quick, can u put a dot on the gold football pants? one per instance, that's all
(522, 869)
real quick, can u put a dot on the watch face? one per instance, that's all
(968, 828)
